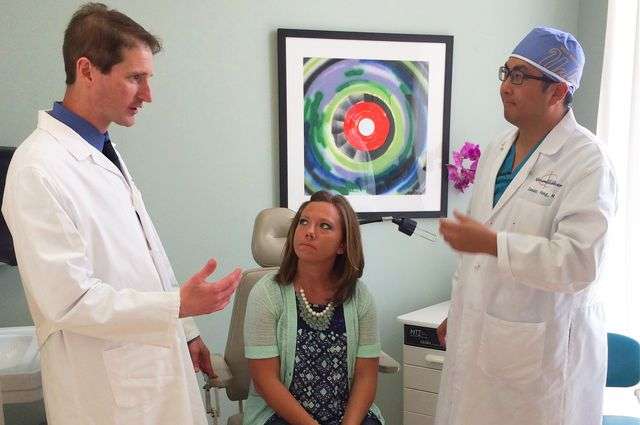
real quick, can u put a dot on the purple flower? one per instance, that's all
(463, 170)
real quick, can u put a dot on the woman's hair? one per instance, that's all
(348, 266)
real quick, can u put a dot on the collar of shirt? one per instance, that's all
(78, 124)
(507, 172)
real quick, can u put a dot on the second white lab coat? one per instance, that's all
(99, 287)
(526, 342)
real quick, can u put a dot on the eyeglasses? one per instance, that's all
(517, 77)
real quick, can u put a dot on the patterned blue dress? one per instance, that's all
(320, 380)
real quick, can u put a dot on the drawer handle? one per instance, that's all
(432, 358)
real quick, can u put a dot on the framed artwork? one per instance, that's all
(365, 115)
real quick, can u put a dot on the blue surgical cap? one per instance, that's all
(556, 53)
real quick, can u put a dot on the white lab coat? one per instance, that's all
(99, 287)
(526, 343)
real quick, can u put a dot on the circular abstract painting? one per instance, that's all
(365, 126)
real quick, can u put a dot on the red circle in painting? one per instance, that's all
(366, 126)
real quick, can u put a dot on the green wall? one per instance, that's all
(205, 152)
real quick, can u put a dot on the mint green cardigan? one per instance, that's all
(270, 330)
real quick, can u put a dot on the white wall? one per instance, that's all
(205, 152)
(592, 23)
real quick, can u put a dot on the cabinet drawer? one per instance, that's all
(417, 419)
(421, 378)
(422, 402)
(423, 357)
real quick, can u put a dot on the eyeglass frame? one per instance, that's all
(509, 72)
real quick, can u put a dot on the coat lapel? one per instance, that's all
(515, 183)
(550, 145)
(102, 161)
(487, 197)
(74, 143)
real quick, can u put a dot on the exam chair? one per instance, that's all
(269, 235)
(623, 370)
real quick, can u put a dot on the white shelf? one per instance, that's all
(428, 317)
(19, 365)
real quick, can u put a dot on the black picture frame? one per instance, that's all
(392, 109)
(7, 253)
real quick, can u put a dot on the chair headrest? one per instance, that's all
(270, 234)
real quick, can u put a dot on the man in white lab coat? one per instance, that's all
(98, 283)
(525, 335)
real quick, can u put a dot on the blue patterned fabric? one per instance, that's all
(320, 380)
(369, 420)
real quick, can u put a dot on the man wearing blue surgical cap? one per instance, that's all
(525, 335)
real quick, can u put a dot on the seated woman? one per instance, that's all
(310, 329)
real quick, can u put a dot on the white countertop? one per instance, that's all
(621, 402)
(19, 365)
(428, 317)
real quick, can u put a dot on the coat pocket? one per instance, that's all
(511, 351)
(530, 218)
(137, 373)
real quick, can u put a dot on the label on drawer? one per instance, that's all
(419, 336)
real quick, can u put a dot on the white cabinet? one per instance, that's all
(19, 367)
(422, 359)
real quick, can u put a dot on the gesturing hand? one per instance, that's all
(468, 235)
(197, 296)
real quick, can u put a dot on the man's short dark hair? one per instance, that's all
(100, 34)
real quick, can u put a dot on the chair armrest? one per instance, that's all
(388, 364)
(221, 369)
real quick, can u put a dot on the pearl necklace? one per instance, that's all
(318, 320)
(328, 308)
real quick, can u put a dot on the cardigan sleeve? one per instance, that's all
(368, 339)
(260, 323)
